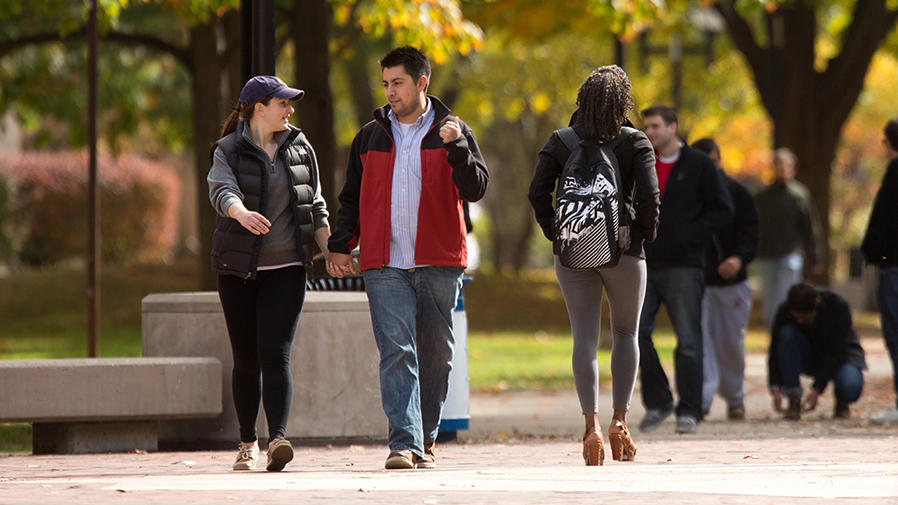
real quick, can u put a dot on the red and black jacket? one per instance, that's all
(450, 174)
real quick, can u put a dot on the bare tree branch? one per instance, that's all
(870, 24)
(741, 34)
(127, 39)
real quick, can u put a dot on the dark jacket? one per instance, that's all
(235, 250)
(880, 245)
(639, 182)
(832, 336)
(738, 238)
(450, 174)
(695, 204)
(788, 222)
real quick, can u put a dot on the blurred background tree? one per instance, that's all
(753, 73)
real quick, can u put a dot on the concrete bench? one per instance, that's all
(336, 385)
(106, 404)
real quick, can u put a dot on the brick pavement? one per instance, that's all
(695, 471)
(522, 448)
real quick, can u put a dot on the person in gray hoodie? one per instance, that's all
(263, 184)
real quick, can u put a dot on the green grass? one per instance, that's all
(44, 311)
(518, 327)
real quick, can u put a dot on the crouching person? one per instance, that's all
(812, 335)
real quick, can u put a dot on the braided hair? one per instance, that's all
(603, 102)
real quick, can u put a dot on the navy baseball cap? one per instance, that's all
(262, 86)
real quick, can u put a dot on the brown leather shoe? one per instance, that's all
(400, 460)
(429, 460)
(622, 446)
(593, 449)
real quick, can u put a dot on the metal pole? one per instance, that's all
(675, 53)
(93, 292)
(246, 39)
(619, 53)
(263, 37)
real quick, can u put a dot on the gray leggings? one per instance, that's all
(582, 290)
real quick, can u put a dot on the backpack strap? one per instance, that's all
(569, 138)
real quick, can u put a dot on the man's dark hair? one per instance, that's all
(413, 60)
(668, 114)
(891, 132)
(802, 297)
(706, 145)
(603, 102)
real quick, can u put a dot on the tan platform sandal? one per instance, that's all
(593, 448)
(622, 446)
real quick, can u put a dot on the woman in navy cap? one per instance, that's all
(264, 187)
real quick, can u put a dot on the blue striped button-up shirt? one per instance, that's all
(405, 194)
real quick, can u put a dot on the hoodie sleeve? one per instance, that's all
(345, 234)
(223, 187)
(545, 178)
(469, 172)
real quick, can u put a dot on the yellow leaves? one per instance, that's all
(540, 103)
(435, 26)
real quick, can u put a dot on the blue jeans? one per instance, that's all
(777, 276)
(795, 357)
(681, 289)
(887, 297)
(411, 311)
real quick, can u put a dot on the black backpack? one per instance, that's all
(592, 225)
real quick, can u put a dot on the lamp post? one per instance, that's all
(705, 20)
(257, 36)
(93, 290)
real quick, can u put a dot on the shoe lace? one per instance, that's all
(245, 452)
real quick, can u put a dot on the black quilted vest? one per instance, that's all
(235, 251)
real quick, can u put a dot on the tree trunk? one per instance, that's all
(207, 120)
(360, 82)
(310, 30)
(808, 108)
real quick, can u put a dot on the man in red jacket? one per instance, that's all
(409, 172)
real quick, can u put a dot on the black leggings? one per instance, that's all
(261, 316)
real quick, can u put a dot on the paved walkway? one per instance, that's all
(522, 448)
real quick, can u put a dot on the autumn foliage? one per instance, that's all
(47, 214)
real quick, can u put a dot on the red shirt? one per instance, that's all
(663, 170)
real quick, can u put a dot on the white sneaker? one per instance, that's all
(888, 417)
(247, 455)
(280, 452)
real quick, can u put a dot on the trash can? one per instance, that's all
(456, 410)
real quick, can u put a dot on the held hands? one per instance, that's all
(730, 267)
(339, 264)
(450, 130)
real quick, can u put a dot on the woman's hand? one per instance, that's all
(256, 223)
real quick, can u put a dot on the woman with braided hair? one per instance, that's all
(603, 102)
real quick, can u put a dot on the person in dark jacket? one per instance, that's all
(263, 184)
(694, 204)
(726, 304)
(813, 335)
(409, 172)
(880, 248)
(604, 101)
(789, 226)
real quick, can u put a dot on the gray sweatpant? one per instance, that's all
(725, 311)
(582, 290)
